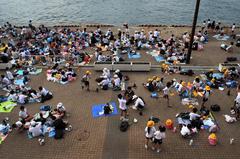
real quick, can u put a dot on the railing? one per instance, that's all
(123, 66)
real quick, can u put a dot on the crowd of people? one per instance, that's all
(27, 44)
(20, 92)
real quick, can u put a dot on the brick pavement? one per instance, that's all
(105, 139)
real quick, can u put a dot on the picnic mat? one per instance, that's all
(223, 38)
(2, 138)
(134, 56)
(19, 82)
(38, 71)
(153, 53)
(20, 72)
(98, 109)
(9, 105)
(217, 75)
(187, 101)
(159, 58)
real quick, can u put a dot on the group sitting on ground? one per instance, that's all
(61, 75)
(47, 121)
(116, 82)
(20, 92)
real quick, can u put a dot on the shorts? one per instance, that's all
(205, 99)
(140, 106)
(165, 96)
(86, 83)
(149, 138)
(157, 141)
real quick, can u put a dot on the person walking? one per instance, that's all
(85, 80)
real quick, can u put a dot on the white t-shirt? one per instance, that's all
(122, 104)
(12, 97)
(193, 116)
(185, 131)
(151, 133)
(36, 130)
(139, 101)
(238, 98)
(105, 82)
(159, 135)
(166, 91)
(21, 98)
(9, 75)
(117, 82)
(6, 81)
(23, 114)
(44, 92)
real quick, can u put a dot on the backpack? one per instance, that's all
(45, 108)
(124, 126)
(59, 134)
(215, 108)
(230, 59)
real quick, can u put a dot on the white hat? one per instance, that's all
(105, 77)
(105, 69)
(117, 71)
(115, 76)
(67, 65)
(59, 105)
(134, 97)
(19, 123)
(33, 123)
(27, 124)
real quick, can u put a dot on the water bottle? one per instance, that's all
(174, 129)
(191, 142)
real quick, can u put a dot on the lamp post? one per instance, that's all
(193, 31)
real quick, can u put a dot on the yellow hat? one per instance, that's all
(213, 136)
(183, 83)
(150, 80)
(88, 72)
(189, 84)
(211, 69)
(158, 79)
(154, 77)
(207, 88)
(150, 123)
(169, 122)
(190, 106)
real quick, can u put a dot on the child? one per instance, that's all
(158, 137)
(149, 132)
(206, 95)
(166, 93)
(85, 80)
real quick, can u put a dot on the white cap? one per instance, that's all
(59, 105)
(19, 123)
(115, 76)
(33, 123)
(27, 124)
(105, 69)
(134, 97)
(105, 77)
(117, 71)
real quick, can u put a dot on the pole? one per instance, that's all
(193, 31)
